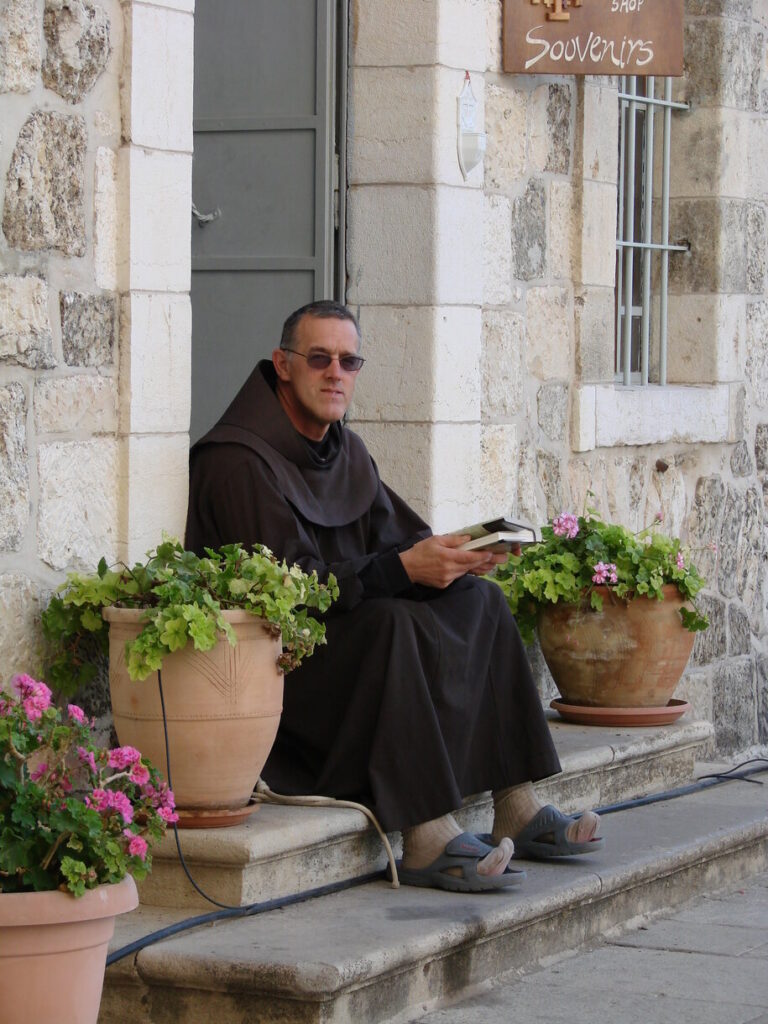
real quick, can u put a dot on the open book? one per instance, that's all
(500, 535)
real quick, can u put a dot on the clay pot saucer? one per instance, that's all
(581, 714)
(192, 817)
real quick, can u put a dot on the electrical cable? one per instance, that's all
(705, 782)
(228, 912)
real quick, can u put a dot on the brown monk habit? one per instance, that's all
(421, 696)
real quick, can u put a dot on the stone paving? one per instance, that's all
(704, 964)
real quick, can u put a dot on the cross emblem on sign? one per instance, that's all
(559, 13)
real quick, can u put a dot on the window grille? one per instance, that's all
(639, 112)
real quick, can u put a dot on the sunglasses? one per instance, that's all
(321, 360)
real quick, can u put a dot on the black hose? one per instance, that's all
(250, 910)
(693, 787)
(234, 912)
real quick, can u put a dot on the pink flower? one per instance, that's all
(97, 800)
(167, 814)
(659, 517)
(605, 572)
(76, 714)
(109, 800)
(139, 774)
(565, 525)
(25, 685)
(680, 560)
(86, 757)
(167, 799)
(123, 757)
(35, 706)
(39, 772)
(137, 847)
(120, 803)
(35, 696)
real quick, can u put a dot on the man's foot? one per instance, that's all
(554, 834)
(517, 809)
(426, 843)
(458, 867)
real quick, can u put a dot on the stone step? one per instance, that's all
(282, 850)
(375, 954)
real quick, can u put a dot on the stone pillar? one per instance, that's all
(719, 179)
(415, 250)
(154, 174)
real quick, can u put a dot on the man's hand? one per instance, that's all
(437, 562)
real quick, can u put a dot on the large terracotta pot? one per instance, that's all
(53, 948)
(630, 654)
(222, 707)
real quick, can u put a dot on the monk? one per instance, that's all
(423, 694)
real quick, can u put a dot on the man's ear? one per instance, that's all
(280, 363)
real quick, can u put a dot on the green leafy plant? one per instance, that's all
(580, 554)
(183, 597)
(73, 815)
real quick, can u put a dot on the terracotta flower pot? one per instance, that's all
(630, 654)
(222, 707)
(53, 948)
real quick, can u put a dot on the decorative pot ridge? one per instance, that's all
(629, 654)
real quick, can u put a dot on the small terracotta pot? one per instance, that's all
(629, 655)
(53, 947)
(222, 707)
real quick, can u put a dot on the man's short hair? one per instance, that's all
(322, 309)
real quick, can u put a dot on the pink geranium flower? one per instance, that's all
(168, 815)
(605, 572)
(110, 800)
(35, 696)
(86, 757)
(139, 774)
(123, 757)
(137, 847)
(38, 773)
(76, 714)
(680, 560)
(566, 525)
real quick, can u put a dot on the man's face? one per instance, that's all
(315, 398)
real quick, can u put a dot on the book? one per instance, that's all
(500, 535)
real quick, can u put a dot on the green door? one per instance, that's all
(262, 183)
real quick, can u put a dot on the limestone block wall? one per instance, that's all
(488, 311)
(95, 161)
(690, 452)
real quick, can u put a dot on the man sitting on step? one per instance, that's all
(423, 694)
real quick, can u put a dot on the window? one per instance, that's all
(645, 123)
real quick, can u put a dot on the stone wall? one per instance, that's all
(60, 117)
(691, 453)
(95, 168)
(513, 325)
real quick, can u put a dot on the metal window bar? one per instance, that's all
(638, 106)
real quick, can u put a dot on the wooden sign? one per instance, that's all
(593, 37)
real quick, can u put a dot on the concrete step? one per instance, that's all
(282, 850)
(374, 954)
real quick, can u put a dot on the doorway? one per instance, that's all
(268, 217)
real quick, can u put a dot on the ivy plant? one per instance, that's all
(182, 597)
(579, 554)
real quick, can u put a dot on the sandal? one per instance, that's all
(463, 852)
(544, 837)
